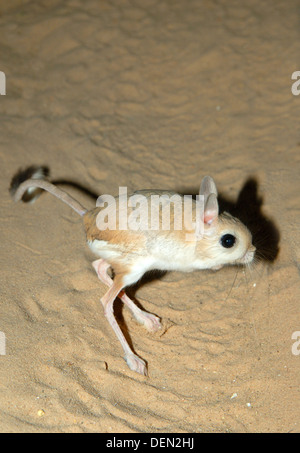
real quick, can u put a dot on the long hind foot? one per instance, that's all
(137, 364)
(148, 320)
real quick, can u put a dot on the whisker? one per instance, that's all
(233, 283)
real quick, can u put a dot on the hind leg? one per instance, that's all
(148, 320)
(134, 362)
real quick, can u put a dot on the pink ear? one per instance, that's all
(211, 209)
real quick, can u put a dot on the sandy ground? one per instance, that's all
(150, 94)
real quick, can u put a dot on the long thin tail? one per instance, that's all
(28, 184)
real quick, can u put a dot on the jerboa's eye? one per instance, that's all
(228, 241)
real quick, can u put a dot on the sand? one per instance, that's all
(150, 94)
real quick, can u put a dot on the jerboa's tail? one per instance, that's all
(28, 184)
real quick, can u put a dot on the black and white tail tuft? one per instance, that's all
(33, 172)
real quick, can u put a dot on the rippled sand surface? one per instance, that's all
(150, 94)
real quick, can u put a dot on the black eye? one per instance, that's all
(227, 241)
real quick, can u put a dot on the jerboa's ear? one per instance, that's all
(208, 187)
(211, 209)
